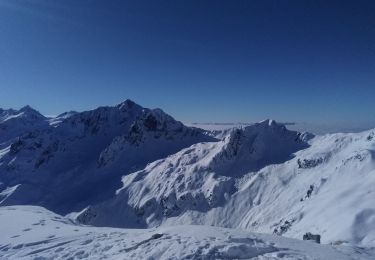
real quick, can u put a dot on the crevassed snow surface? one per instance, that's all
(29, 232)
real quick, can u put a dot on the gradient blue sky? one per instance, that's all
(198, 60)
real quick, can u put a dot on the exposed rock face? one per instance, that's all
(309, 163)
(312, 237)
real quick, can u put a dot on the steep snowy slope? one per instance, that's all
(35, 233)
(78, 158)
(259, 179)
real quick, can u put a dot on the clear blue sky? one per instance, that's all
(198, 60)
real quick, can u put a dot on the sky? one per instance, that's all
(200, 61)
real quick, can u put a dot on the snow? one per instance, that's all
(14, 123)
(29, 232)
(126, 166)
(311, 127)
(7, 192)
(82, 156)
(56, 120)
(239, 183)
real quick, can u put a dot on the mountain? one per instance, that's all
(262, 178)
(29, 232)
(77, 159)
(14, 123)
(132, 167)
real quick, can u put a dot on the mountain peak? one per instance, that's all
(127, 104)
(269, 122)
(24, 112)
(26, 108)
(255, 146)
(29, 110)
(31, 113)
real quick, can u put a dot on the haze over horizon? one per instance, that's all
(200, 61)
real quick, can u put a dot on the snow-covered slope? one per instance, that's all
(129, 166)
(14, 123)
(261, 178)
(34, 233)
(77, 159)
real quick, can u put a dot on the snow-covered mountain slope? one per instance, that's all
(198, 178)
(129, 166)
(55, 121)
(29, 232)
(77, 159)
(14, 123)
(262, 178)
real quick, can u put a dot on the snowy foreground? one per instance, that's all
(29, 232)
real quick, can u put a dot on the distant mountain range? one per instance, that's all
(134, 167)
(315, 128)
